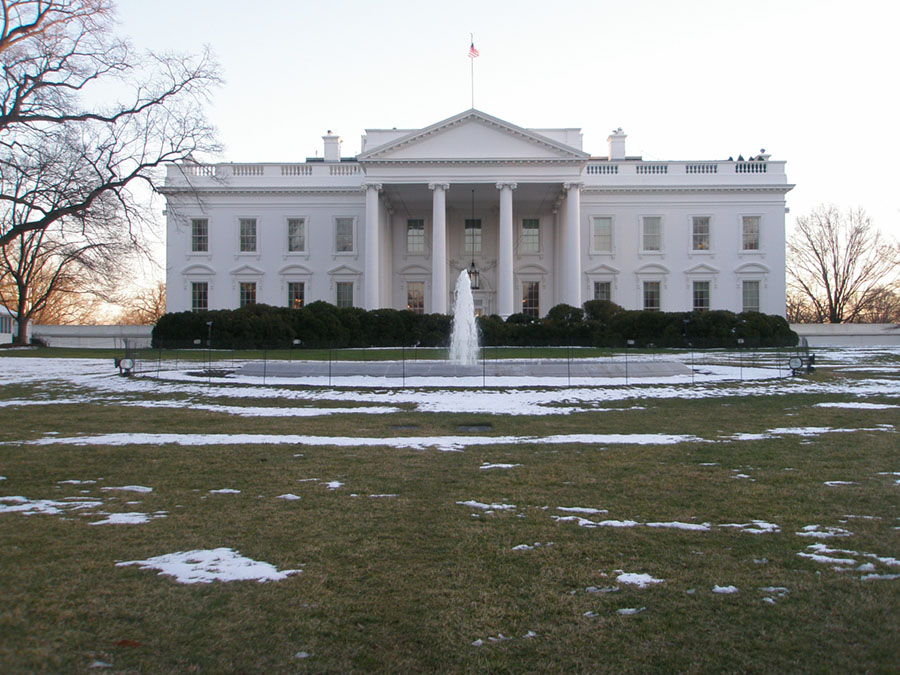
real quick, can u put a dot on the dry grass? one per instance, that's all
(408, 583)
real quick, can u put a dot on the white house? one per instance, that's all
(8, 326)
(541, 221)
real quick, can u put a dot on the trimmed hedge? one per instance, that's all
(599, 324)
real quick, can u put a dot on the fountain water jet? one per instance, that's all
(464, 335)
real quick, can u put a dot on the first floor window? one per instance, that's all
(199, 235)
(415, 296)
(473, 236)
(531, 302)
(296, 235)
(531, 236)
(248, 235)
(750, 296)
(601, 234)
(343, 235)
(296, 294)
(6, 324)
(247, 294)
(651, 233)
(750, 233)
(344, 294)
(700, 233)
(415, 235)
(651, 296)
(602, 290)
(701, 296)
(199, 296)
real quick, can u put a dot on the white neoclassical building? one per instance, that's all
(541, 221)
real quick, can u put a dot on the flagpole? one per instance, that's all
(472, 41)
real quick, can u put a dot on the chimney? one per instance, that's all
(616, 142)
(332, 147)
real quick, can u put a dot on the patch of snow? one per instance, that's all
(333, 484)
(858, 405)
(387, 495)
(639, 580)
(27, 507)
(835, 483)
(498, 466)
(884, 577)
(824, 533)
(696, 527)
(580, 509)
(530, 547)
(129, 488)
(131, 518)
(76, 482)
(206, 566)
(487, 507)
(288, 497)
(225, 491)
(629, 612)
(754, 527)
(724, 590)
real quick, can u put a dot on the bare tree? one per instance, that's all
(74, 166)
(145, 307)
(838, 263)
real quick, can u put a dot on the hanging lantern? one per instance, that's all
(474, 276)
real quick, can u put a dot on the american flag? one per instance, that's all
(472, 51)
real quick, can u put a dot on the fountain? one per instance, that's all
(464, 335)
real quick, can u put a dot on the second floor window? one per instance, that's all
(601, 234)
(750, 233)
(199, 235)
(531, 236)
(343, 235)
(700, 233)
(415, 235)
(248, 235)
(296, 235)
(651, 233)
(473, 236)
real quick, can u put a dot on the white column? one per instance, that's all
(505, 298)
(572, 256)
(439, 247)
(373, 252)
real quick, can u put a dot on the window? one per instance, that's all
(531, 302)
(750, 296)
(473, 236)
(701, 296)
(199, 296)
(247, 294)
(601, 234)
(602, 290)
(651, 296)
(415, 296)
(248, 235)
(296, 235)
(531, 236)
(344, 295)
(651, 233)
(700, 233)
(343, 235)
(415, 235)
(296, 294)
(199, 235)
(750, 233)
(6, 324)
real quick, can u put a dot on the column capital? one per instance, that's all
(573, 185)
(511, 186)
(372, 186)
(439, 186)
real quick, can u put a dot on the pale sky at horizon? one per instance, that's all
(812, 82)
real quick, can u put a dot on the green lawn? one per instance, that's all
(409, 582)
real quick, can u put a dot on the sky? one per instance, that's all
(811, 81)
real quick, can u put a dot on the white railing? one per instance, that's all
(593, 169)
(343, 169)
(750, 167)
(651, 169)
(296, 170)
(701, 168)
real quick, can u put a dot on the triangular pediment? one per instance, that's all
(702, 268)
(473, 136)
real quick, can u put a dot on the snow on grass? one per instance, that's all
(754, 527)
(206, 566)
(269, 411)
(639, 580)
(498, 466)
(225, 491)
(129, 488)
(131, 518)
(288, 497)
(580, 509)
(487, 508)
(835, 483)
(386, 495)
(76, 482)
(724, 590)
(442, 443)
(333, 484)
(27, 507)
(531, 547)
(695, 527)
(819, 532)
(857, 405)
(627, 611)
